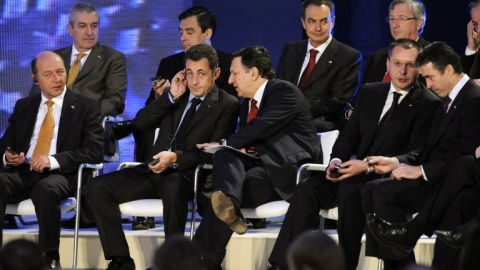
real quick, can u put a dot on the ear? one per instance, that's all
(303, 23)
(254, 73)
(208, 33)
(450, 70)
(216, 73)
(419, 24)
(333, 22)
(388, 64)
(34, 78)
(70, 30)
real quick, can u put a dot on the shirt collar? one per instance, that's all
(75, 52)
(456, 89)
(259, 94)
(320, 48)
(57, 100)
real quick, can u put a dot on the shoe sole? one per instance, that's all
(225, 211)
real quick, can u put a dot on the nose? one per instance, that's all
(55, 77)
(318, 26)
(89, 30)
(403, 69)
(183, 37)
(429, 83)
(230, 79)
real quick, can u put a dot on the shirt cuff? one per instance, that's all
(335, 159)
(470, 52)
(53, 163)
(5, 163)
(423, 173)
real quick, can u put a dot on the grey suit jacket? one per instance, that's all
(103, 77)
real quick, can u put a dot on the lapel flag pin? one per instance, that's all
(73, 107)
(98, 56)
(330, 62)
(410, 105)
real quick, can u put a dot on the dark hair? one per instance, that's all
(205, 18)
(200, 51)
(327, 3)
(418, 10)
(440, 55)
(177, 253)
(257, 56)
(404, 43)
(21, 254)
(81, 7)
(317, 250)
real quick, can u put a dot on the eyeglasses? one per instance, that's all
(398, 20)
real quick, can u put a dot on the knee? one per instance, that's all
(95, 188)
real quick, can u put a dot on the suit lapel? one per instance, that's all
(68, 110)
(375, 111)
(96, 57)
(208, 103)
(326, 60)
(32, 111)
(299, 53)
(66, 53)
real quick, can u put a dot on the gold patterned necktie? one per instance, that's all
(45, 135)
(74, 70)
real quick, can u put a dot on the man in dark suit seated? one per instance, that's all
(374, 128)
(101, 71)
(416, 175)
(456, 203)
(407, 20)
(191, 111)
(276, 130)
(325, 70)
(470, 61)
(51, 134)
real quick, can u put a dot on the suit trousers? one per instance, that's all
(46, 190)
(245, 180)
(104, 193)
(394, 201)
(303, 214)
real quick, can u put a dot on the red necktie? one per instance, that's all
(253, 110)
(387, 77)
(308, 70)
(445, 103)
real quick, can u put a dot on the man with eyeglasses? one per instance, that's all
(406, 19)
(470, 61)
(381, 124)
(324, 69)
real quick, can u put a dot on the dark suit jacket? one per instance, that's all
(407, 129)
(171, 65)
(80, 133)
(456, 136)
(471, 65)
(282, 133)
(332, 82)
(215, 119)
(377, 64)
(103, 77)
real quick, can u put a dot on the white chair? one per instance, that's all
(154, 207)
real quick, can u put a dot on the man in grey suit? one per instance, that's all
(326, 70)
(103, 70)
(51, 176)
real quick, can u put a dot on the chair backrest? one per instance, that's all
(327, 139)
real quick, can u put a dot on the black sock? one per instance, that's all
(54, 255)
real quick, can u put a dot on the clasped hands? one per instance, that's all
(377, 164)
(165, 159)
(38, 164)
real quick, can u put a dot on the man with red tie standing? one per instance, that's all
(276, 122)
(325, 70)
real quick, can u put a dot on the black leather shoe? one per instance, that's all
(226, 211)
(121, 263)
(9, 222)
(143, 223)
(70, 224)
(122, 129)
(53, 264)
(457, 237)
(390, 235)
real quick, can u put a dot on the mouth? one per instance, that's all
(402, 80)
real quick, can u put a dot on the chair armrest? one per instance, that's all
(124, 165)
(310, 167)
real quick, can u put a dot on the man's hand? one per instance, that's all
(39, 163)
(382, 165)
(179, 85)
(15, 160)
(160, 86)
(348, 169)
(165, 159)
(477, 152)
(404, 171)
(203, 145)
(472, 36)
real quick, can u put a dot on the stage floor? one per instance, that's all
(244, 252)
